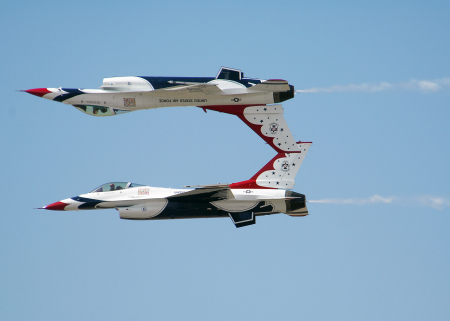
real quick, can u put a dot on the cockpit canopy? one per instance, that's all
(115, 186)
(100, 110)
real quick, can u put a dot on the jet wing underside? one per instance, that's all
(205, 194)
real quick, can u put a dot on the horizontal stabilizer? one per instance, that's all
(272, 85)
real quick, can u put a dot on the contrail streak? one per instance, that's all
(436, 202)
(427, 86)
(360, 201)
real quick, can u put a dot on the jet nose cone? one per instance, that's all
(58, 206)
(38, 91)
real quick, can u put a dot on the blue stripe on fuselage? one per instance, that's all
(163, 82)
(89, 203)
(71, 92)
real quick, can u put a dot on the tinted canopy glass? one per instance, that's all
(115, 186)
(100, 110)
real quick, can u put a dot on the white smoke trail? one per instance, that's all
(360, 201)
(436, 202)
(427, 86)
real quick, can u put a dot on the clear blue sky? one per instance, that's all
(362, 260)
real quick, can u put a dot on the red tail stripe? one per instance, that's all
(248, 184)
(238, 110)
(251, 183)
(269, 166)
(229, 109)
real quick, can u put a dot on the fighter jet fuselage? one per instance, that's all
(263, 194)
(139, 202)
(119, 95)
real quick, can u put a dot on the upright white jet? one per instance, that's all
(264, 194)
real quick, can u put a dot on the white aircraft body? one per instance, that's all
(228, 92)
(264, 194)
(119, 95)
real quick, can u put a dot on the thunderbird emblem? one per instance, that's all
(273, 127)
(285, 166)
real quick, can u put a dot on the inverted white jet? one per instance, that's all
(229, 92)
(264, 194)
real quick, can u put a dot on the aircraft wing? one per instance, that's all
(268, 122)
(206, 88)
(204, 194)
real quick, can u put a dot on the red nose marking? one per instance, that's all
(58, 206)
(38, 91)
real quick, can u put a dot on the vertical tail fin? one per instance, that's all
(279, 172)
(267, 121)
